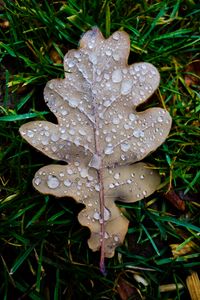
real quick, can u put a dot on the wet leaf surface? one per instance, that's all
(100, 135)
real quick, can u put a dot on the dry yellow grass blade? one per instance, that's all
(193, 285)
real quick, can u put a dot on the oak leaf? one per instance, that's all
(100, 135)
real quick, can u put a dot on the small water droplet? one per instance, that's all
(111, 185)
(82, 131)
(30, 133)
(106, 235)
(97, 187)
(71, 132)
(108, 52)
(144, 193)
(70, 171)
(125, 147)
(132, 117)
(115, 36)
(115, 120)
(67, 182)
(116, 238)
(37, 181)
(138, 133)
(107, 103)
(160, 119)
(116, 57)
(116, 176)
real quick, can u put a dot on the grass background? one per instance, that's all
(44, 253)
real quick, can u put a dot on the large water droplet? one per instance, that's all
(108, 150)
(126, 87)
(53, 182)
(73, 102)
(117, 76)
(84, 173)
(95, 162)
(96, 216)
(107, 214)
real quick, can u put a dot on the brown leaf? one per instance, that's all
(99, 133)
(175, 200)
(127, 291)
(193, 73)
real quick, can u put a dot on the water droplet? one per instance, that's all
(97, 187)
(116, 238)
(144, 193)
(93, 58)
(73, 102)
(117, 76)
(132, 117)
(108, 52)
(106, 235)
(30, 133)
(96, 216)
(116, 176)
(53, 182)
(141, 176)
(115, 120)
(160, 119)
(106, 76)
(111, 185)
(71, 132)
(37, 181)
(64, 112)
(70, 63)
(115, 36)
(84, 173)
(116, 57)
(70, 171)
(67, 182)
(126, 87)
(108, 138)
(138, 133)
(125, 147)
(108, 150)
(82, 131)
(107, 214)
(107, 103)
(95, 162)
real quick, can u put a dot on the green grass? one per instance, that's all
(44, 253)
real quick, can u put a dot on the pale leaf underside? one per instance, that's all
(99, 134)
